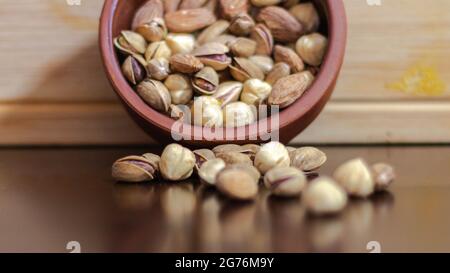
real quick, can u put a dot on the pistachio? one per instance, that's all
(210, 33)
(180, 43)
(180, 88)
(263, 3)
(355, 177)
(290, 149)
(154, 30)
(248, 168)
(158, 69)
(271, 155)
(237, 183)
(154, 159)
(279, 71)
(307, 159)
(134, 169)
(288, 89)
(265, 63)
(225, 39)
(214, 55)
(202, 156)
(177, 163)
(287, 55)
(231, 158)
(243, 69)
(206, 111)
(283, 26)
(251, 150)
(241, 24)
(383, 175)
(255, 92)
(157, 50)
(155, 94)
(307, 15)
(146, 13)
(228, 92)
(264, 39)
(312, 48)
(225, 148)
(243, 47)
(238, 114)
(185, 63)
(191, 4)
(285, 181)
(324, 196)
(177, 112)
(133, 70)
(130, 42)
(186, 21)
(231, 8)
(206, 81)
(209, 170)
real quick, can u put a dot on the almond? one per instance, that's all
(288, 89)
(232, 8)
(284, 27)
(150, 10)
(186, 21)
(284, 54)
(185, 63)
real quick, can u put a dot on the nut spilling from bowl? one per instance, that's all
(222, 59)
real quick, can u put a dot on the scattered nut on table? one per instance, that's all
(383, 175)
(285, 181)
(177, 163)
(237, 183)
(355, 177)
(271, 155)
(324, 196)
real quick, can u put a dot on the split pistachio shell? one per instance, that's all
(130, 42)
(180, 88)
(307, 15)
(324, 196)
(238, 114)
(206, 81)
(209, 170)
(181, 43)
(264, 39)
(202, 156)
(307, 158)
(158, 50)
(134, 169)
(279, 71)
(265, 63)
(228, 92)
(271, 155)
(154, 30)
(154, 159)
(250, 169)
(237, 183)
(210, 33)
(206, 111)
(155, 94)
(383, 175)
(251, 150)
(177, 163)
(285, 181)
(158, 69)
(133, 70)
(224, 148)
(231, 158)
(242, 24)
(355, 177)
(312, 48)
(214, 55)
(255, 92)
(243, 69)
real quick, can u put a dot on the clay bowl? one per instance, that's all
(117, 15)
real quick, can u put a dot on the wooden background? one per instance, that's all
(53, 90)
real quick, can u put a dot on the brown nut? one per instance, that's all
(383, 175)
(231, 8)
(264, 39)
(237, 183)
(283, 26)
(243, 69)
(185, 63)
(202, 156)
(146, 13)
(241, 24)
(214, 55)
(158, 69)
(187, 21)
(155, 94)
(285, 181)
(210, 33)
(312, 48)
(307, 159)
(288, 89)
(307, 15)
(287, 55)
(134, 169)
(279, 71)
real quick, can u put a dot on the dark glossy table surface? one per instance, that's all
(49, 197)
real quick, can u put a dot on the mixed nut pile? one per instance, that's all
(237, 170)
(222, 58)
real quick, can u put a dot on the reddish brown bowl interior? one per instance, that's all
(117, 16)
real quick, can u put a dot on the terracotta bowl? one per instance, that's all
(117, 16)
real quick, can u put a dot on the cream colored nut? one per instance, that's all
(133, 70)
(243, 69)
(238, 114)
(324, 196)
(264, 39)
(206, 111)
(355, 177)
(271, 155)
(252, 170)
(177, 163)
(237, 183)
(307, 15)
(255, 92)
(288, 89)
(384, 176)
(242, 24)
(155, 94)
(224, 148)
(180, 88)
(202, 156)
(181, 43)
(130, 42)
(285, 181)
(158, 50)
(154, 159)
(158, 69)
(243, 47)
(231, 158)
(212, 32)
(209, 170)
(263, 62)
(251, 150)
(263, 3)
(279, 71)
(225, 39)
(228, 92)
(187, 21)
(307, 158)
(312, 48)
(134, 169)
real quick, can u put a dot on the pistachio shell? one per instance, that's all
(238, 114)
(224, 148)
(228, 92)
(285, 181)
(231, 158)
(241, 24)
(180, 43)
(210, 33)
(180, 88)
(133, 70)
(133, 169)
(157, 50)
(263, 62)
(243, 69)
(237, 183)
(255, 92)
(206, 111)
(155, 94)
(283, 26)
(231, 8)
(206, 81)
(213, 55)
(280, 70)
(312, 48)
(177, 163)
(307, 158)
(154, 30)
(243, 47)
(209, 170)
(264, 39)
(271, 155)
(202, 156)
(130, 42)
(307, 15)
(158, 69)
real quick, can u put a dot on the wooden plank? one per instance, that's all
(105, 123)
(49, 49)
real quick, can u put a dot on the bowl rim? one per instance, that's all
(337, 36)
